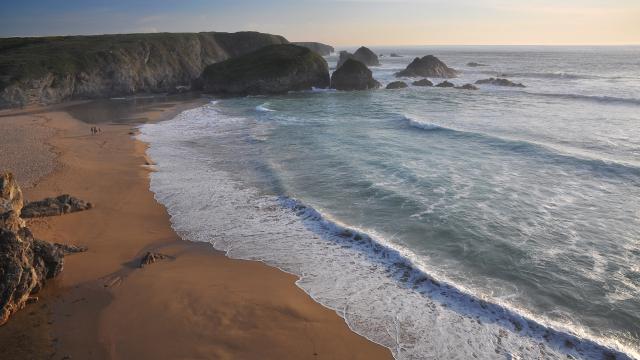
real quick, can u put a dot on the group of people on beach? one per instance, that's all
(95, 130)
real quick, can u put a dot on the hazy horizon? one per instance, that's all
(343, 23)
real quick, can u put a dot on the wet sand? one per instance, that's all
(197, 304)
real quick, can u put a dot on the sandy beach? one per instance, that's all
(196, 304)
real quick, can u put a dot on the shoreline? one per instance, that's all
(198, 303)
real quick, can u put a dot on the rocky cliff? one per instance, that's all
(272, 69)
(53, 69)
(319, 48)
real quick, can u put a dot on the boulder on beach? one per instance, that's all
(475, 64)
(396, 85)
(273, 69)
(467, 87)
(445, 84)
(499, 82)
(428, 66)
(25, 262)
(422, 82)
(353, 75)
(63, 204)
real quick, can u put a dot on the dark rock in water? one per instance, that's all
(320, 48)
(366, 56)
(353, 75)
(395, 55)
(152, 257)
(25, 263)
(63, 204)
(422, 82)
(445, 84)
(71, 249)
(363, 54)
(397, 85)
(499, 82)
(467, 87)
(273, 69)
(475, 64)
(428, 66)
(344, 56)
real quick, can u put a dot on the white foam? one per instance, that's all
(264, 108)
(383, 291)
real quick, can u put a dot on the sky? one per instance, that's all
(342, 22)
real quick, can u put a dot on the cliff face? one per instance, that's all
(53, 69)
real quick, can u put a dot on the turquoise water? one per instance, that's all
(441, 223)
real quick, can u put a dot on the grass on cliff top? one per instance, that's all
(31, 58)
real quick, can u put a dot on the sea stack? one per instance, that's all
(428, 66)
(274, 69)
(353, 75)
(320, 48)
(363, 54)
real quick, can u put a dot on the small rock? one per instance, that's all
(467, 87)
(475, 64)
(428, 66)
(152, 257)
(71, 249)
(63, 204)
(499, 82)
(396, 85)
(423, 82)
(445, 84)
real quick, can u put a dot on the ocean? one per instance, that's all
(502, 223)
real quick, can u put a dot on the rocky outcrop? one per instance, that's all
(363, 54)
(366, 56)
(445, 84)
(319, 48)
(499, 82)
(152, 257)
(53, 69)
(272, 69)
(422, 82)
(467, 87)
(353, 75)
(396, 85)
(63, 204)
(475, 64)
(428, 66)
(394, 55)
(25, 263)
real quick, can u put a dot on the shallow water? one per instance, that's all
(502, 222)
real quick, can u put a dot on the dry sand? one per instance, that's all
(197, 305)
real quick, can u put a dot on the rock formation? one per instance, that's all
(467, 87)
(422, 82)
(63, 204)
(49, 70)
(319, 48)
(396, 85)
(152, 257)
(363, 54)
(353, 75)
(25, 263)
(272, 69)
(428, 66)
(366, 56)
(499, 82)
(394, 55)
(475, 64)
(445, 84)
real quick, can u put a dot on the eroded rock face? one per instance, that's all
(499, 82)
(63, 204)
(396, 85)
(25, 263)
(353, 75)
(428, 66)
(273, 69)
